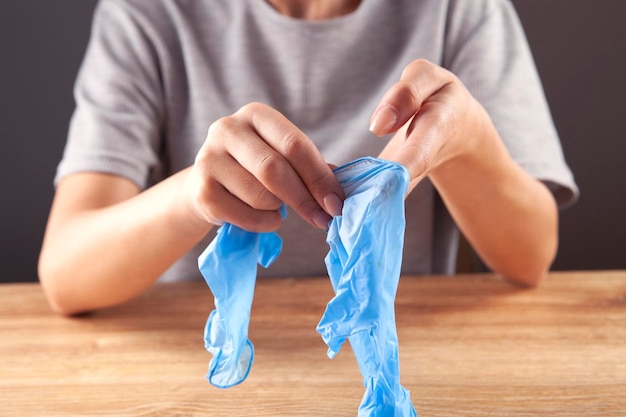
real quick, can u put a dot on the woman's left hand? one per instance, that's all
(434, 116)
(442, 132)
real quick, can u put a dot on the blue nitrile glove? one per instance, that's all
(229, 267)
(364, 264)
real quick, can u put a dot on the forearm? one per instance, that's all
(103, 256)
(509, 217)
(106, 242)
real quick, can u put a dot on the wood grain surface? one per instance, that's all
(470, 345)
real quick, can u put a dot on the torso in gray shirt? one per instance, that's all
(157, 73)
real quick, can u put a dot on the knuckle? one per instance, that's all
(422, 67)
(222, 126)
(261, 221)
(307, 207)
(204, 194)
(252, 108)
(431, 71)
(206, 200)
(261, 198)
(411, 93)
(205, 155)
(270, 168)
(290, 144)
(417, 67)
(420, 77)
(267, 200)
(320, 181)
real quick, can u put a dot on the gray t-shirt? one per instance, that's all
(157, 73)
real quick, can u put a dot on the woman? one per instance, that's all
(286, 88)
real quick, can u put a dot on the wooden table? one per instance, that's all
(470, 345)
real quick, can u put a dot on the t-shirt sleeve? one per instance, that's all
(116, 124)
(487, 49)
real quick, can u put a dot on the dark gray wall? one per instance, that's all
(41, 45)
(580, 50)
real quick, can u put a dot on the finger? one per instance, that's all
(278, 176)
(219, 206)
(242, 215)
(213, 168)
(420, 80)
(291, 167)
(421, 148)
(243, 185)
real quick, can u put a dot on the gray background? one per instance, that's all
(579, 47)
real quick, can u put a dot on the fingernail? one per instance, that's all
(333, 204)
(384, 120)
(321, 219)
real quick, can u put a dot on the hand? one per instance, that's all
(253, 161)
(435, 117)
(509, 217)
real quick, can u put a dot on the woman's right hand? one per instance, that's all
(253, 161)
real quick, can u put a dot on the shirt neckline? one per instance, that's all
(266, 11)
